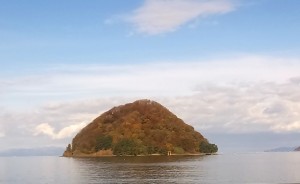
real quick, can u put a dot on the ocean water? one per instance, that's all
(223, 168)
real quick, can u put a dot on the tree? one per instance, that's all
(187, 144)
(103, 143)
(206, 147)
(69, 148)
(126, 147)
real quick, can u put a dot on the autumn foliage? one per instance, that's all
(139, 128)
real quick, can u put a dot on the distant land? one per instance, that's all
(297, 149)
(282, 149)
(43, 151)
(143, 127)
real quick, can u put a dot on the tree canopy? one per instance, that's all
(206, 147)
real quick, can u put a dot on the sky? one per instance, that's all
(229, 68)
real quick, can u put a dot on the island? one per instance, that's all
(141, 128)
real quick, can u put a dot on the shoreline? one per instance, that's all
(95, 155)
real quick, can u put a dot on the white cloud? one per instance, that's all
(160, 16)
(153, 79)
(233, 95)
(293, 126)
(68, 131)
(2, 133)
(242, 107)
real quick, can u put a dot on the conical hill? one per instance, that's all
(143, 127)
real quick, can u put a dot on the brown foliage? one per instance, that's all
(147, 122)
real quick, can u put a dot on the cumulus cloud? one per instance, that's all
(160, 16)
(294, 126)
(64, 119)
(249, 107)
(295, 80)
(241, 107)
(234, 95)
(68, 131)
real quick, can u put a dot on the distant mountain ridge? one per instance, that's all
(283, 149)
(297, 149)
(140, 128)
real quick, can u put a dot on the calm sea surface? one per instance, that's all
(224, 168)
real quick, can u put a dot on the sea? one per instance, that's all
(221, 168)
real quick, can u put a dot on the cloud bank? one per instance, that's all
(242, 108)
(242, 94)
(160, 16)
(152, 79)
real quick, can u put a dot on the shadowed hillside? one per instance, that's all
(140, 128)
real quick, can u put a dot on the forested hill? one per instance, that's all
(140, 128)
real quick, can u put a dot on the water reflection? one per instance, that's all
(228, 168)
(154, 169)
(140, 159)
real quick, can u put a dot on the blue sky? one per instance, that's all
(224, 66)
(39, 33)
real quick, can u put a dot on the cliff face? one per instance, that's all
(139, 128)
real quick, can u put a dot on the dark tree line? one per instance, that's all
(206, 147)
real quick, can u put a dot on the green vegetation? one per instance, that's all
(178, 150)
(140, 128)
(206, 147)
(126, 147)
(103, 143)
